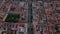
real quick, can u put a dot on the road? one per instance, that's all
(30, 24)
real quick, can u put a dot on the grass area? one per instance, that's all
(57, 29)
(4, 32)
(12, 17)
(9, 32)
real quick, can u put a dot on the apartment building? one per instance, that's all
(17, 28)
(45, 17)
(14, 16)
(8, 10)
